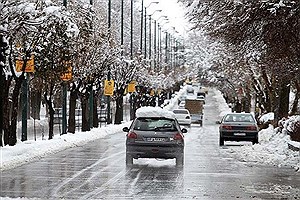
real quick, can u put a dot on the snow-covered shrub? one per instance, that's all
(265, 120)
(292, 127)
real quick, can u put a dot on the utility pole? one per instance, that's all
(141, 37)
(108, 117)
(131, 30)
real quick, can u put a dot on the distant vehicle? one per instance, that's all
(195, 107)
(155, 133)
(182, 98)
(201, 98)
(181, 104)
(190, 90)
(201, 93)
(238, 127)
(205, 90)
(183, 116)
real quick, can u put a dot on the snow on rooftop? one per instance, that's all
(149, 111)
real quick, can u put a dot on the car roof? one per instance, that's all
(154, 112)
(239, 114)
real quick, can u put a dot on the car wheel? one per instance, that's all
(180, 160)
(129, 159)
(221, 142)
(255, 141)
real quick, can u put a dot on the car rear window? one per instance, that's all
(151, 124)
(180, 111)
(239, 118)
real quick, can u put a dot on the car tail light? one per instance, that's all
(227, 127)
(252, 128)
(178, 136)
(132, 135)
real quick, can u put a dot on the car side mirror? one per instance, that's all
(218, 122)
(125, 129)
(184, 130)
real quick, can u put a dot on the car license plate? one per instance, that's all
(240, 134)
(156, 139)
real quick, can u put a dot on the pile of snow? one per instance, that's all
(289, 124)
(272, 149)
(223, 107)
(267, 117)
(149, 111)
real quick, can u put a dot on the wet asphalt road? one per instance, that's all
(97, 171)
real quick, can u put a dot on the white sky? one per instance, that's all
(175, 13)
(272, 148)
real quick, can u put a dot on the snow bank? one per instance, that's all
(272, 149)
(223, 106)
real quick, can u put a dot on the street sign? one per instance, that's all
(152, 92)
(108, 87)
(131, 86)
(29, 65)
(66, 76)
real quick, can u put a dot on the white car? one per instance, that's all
(181, 104)
(183, 116)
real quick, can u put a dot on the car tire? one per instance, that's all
(221, 141)
(129, 159)
(255, 141)
(180, 160)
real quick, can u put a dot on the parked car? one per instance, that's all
(183, 116)
(155, 133)
(238, 127)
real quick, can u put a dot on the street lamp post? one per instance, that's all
(108, 117)
(131, 30)
(122, 26)
(141, 36)
(156, 40)
(150, 35)
(145, 27)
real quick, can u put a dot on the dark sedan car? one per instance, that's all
(238, 127)
(155, 133)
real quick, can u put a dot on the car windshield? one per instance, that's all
(155, 124)
(180, 111)
(239, 118)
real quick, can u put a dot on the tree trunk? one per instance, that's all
(85, 112)
(49, 103)
(119, 109)
(295, 107)
(2, 82)
(36, 99)
(284, 94)
(14, 114)
(72, 107)
(95, 112)
(6, 111)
